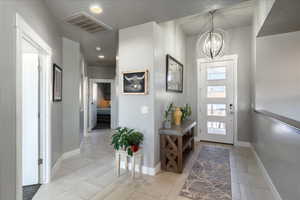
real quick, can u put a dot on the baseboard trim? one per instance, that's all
(56, 166)
(197, 139)
(274, 191)
(243, 144)
(151, 171)
(69, 154)
(64, 156)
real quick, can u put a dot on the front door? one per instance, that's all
(216, 100)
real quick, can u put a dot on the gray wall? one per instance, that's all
(275, 82)
(136, 48)
(238, 42)
(145, 47)
(278, 74)
(169, 39)
(71, 103)
(278, 147)
(39, 18)
(98, 72)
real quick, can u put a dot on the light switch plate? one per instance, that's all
(144, 109)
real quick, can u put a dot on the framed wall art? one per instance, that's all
(57, 83)
(174, 75)
(135, 82)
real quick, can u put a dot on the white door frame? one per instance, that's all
(113, 101)
(233, 58)
(24, 31)
(85, 106)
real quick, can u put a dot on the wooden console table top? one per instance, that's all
(178, 130)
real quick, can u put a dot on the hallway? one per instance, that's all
(90, 176)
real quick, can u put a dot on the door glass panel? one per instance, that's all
(216, 73)
(216, 91)
(216, 110)
(217, 128)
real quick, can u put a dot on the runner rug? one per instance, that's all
(209, 178)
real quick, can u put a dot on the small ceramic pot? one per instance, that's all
(167, 124)
(134, 148)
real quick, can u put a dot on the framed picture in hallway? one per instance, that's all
(57, 83)
(135, 82)
(174, 75)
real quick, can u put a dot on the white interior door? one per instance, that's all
(216, 102)
(30, 114)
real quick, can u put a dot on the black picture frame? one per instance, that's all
(142, 82)
(57, 83)
(174, 68)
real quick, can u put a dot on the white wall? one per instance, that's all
(36, 14)
(238, 42)
(71, 103)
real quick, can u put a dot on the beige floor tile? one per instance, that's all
(84, 190)
(141, 196)
(91, 176)
(235, 190)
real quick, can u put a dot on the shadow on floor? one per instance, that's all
(29, 191)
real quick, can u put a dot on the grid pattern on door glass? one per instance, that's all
(216, 73)
(216, 128)
(216, 89)
(216, 110)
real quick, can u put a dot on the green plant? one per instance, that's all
(125, 137)
(186, 112)
(168, 111)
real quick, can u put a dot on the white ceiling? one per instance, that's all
(283, 18)
(124, 13)
(235, 16)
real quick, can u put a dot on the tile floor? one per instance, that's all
(91, 176)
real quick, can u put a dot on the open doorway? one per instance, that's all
(102, 104)
(33, 58)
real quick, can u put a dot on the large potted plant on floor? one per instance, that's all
(127, 139)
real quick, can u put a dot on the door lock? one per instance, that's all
(231, 109)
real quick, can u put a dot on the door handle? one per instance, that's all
(231, 108)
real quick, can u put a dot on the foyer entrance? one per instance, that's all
(217, 99)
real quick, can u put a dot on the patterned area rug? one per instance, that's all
(210, 177)
(29, 191)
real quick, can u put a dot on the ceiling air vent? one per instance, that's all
(87, 23)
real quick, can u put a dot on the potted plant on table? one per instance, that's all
(186, 112)
(127, 139)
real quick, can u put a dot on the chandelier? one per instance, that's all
(213, 40)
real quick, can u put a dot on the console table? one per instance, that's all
(175, 143)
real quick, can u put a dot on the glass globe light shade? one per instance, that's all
(213, 44)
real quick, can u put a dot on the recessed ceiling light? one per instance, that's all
(98, 48)
(101, 56)
(96, 9)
